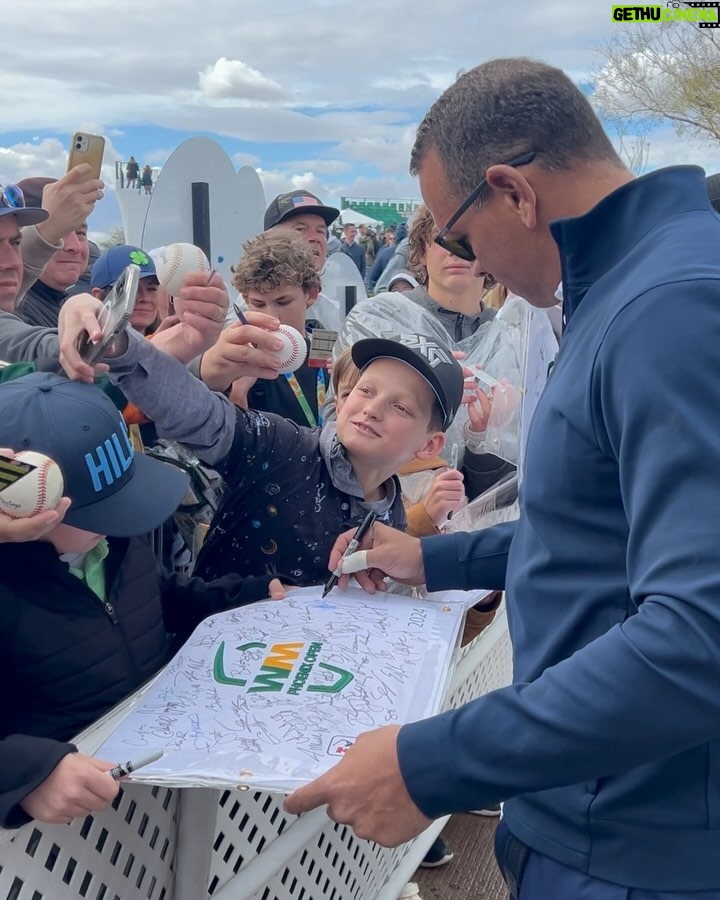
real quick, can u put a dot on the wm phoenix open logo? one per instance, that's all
(286, 667)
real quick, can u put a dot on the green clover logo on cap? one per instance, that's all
(139, 258)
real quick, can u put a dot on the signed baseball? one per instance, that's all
(40, 489)
(294, 348)
(175, 261)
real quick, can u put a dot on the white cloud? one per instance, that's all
(343, 87)
(234, 79)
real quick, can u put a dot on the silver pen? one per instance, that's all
(124, 769)
(454, 453)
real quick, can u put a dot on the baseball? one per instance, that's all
(175, 261)
(39, 490)
(294, 348)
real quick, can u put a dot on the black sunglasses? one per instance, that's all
(461, 246)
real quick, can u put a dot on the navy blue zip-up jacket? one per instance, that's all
(608, 742)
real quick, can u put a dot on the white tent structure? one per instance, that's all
(350, 216)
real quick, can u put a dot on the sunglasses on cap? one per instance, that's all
(460, 247)
(12, 196)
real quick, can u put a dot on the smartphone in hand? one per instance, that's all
(86, 148)
(114, 316)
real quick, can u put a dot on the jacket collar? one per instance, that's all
(592, 244)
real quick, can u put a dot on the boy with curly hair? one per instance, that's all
(276, 275)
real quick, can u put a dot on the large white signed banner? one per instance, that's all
(272, 695)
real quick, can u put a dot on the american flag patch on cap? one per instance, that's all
(305, 200)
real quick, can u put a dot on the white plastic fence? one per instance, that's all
(195, 843)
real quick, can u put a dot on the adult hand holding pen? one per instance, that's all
(389, 552)
(77, 786)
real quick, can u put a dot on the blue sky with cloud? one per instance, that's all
(323, 95)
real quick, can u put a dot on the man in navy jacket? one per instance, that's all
(607, 746)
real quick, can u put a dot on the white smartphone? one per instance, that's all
(114, 316)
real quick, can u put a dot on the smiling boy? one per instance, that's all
(291, 489)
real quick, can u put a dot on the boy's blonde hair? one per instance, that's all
(272, 259)
(344, 369)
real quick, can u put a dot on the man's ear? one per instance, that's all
(517, 191)
(311, 296)
(433, 446)
(96, 292)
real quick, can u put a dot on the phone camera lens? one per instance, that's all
(78, 146)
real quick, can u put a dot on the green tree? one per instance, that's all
(667, 71)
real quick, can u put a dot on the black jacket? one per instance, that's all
(280, 511)
(41, 305)
(69, 657)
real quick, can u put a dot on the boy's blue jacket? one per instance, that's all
(608, 742)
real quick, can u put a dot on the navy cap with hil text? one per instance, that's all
(112, 263)
(114, 491)
(431, 360)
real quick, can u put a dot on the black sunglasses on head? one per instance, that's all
(460, 247)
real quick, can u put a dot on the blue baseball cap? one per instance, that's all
(114, 491)
(110, 265)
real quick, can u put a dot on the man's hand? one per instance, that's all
(390, 552)
(366, 791)
(201, 308)
(69, 201)
(243, 350)
(446, 494)
(32, 528)
(78, 315)
(77, 786)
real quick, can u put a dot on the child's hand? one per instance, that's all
(31, 528)
(277, 590)
(446, 494)
(501, 404)
(243, 350)
(240, 390)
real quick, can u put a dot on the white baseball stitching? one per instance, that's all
(295, 347)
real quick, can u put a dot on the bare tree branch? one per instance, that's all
(666, 71)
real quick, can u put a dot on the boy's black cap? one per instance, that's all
(114, 491)
(430, 359)
(297, 203)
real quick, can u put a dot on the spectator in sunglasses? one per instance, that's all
(36, 233)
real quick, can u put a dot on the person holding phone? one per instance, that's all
(41, 304)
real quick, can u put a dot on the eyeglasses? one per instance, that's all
(460, 247)
(12, 196)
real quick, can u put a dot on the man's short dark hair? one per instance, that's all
(502, 109)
